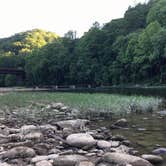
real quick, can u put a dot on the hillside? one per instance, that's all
(24, 42)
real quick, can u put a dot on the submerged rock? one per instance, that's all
(152, 158)
(80, 140)
(123, 159)
(121, 123)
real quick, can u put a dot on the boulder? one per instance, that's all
(68, 160)
(160, 151)
(103, 144)
(43, 163)
(80, 140)
(4, 164)
(122, 159)
(19, 152)
(154, 159)
(74, 124)
(34, 136)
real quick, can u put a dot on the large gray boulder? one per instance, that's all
(68, 160)
(80, 140)
(124, 159)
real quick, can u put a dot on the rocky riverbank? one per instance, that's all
(69, 143)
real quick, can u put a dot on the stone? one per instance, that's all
(118, 138)
(122, 159)
(80, 140)
(154, 159)
(19, 152)
(43, 163)
(28, 129)
(160, 151)
(40, 158)
(4, 164)
(103, 144)
(85, 163)
(121, 123)
(68, 160)
(34, 136)
(74, 124)
(121, 149)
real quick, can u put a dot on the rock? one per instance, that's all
(126, 142)
(122, 159)
(80, 140)
(121, 123)
(40, 158)
(159, 151)
(34, 136)
(44, 163)
(26, 129)
(114, 144)
(162, 113)
(103, 144)
(118, 138)
(19, 152)
(74, 124)
(68, 160)
(57, 105)
(85, 163)
(121, 149)
(4, 164)
(152, 158)
(141, 129)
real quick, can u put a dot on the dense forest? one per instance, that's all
(126, 51)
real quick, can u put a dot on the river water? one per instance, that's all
(146, 131)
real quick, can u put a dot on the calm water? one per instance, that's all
(144, 141)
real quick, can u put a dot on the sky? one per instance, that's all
(58, 16)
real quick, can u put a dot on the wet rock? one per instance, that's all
(122, 159)
(162, 113)
(57, 105)
(80, 140)
(121, 123)
(43, 163)
(74, 124)
(103, 144)
(118, 138)
(85, 163)
(126, 142)
(152, 158)
(160, 151)
(19, 152)
(68, 160)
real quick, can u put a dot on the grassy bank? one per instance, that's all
(83, 101)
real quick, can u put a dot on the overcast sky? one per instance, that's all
(58, 15)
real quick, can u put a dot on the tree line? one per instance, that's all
(129, 50)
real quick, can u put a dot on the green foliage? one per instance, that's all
(129, 50)
(23, 43)
(158, 12)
